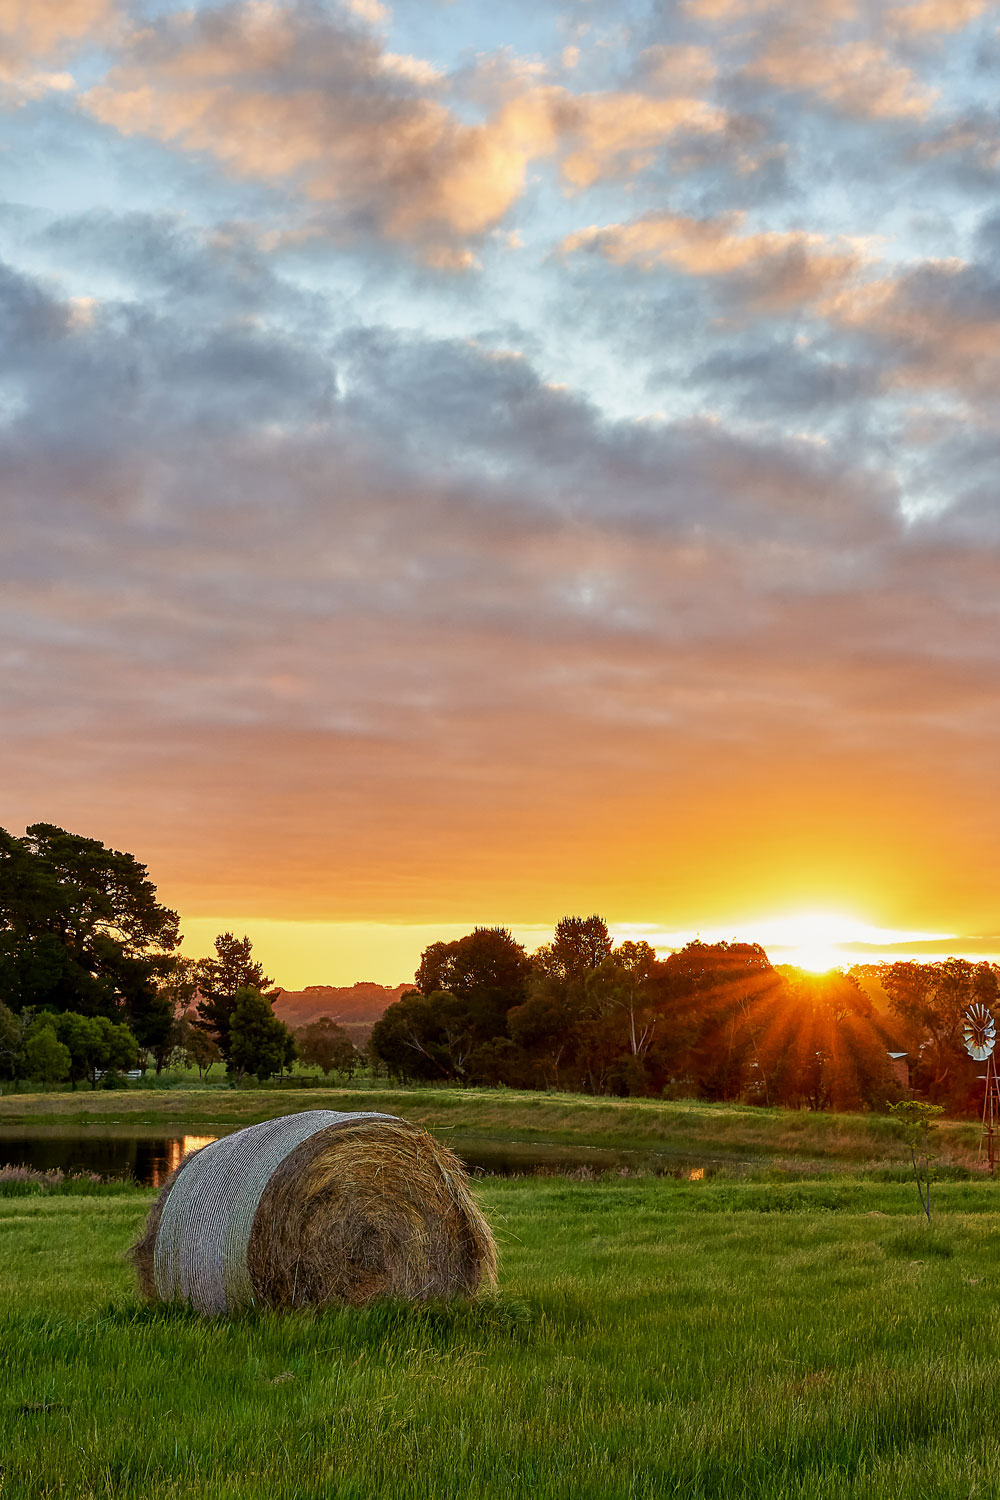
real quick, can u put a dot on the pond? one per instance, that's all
(150, 1155)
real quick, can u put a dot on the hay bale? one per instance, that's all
(312, 1209)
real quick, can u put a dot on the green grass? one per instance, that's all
(649, 1338)
(734, 1131)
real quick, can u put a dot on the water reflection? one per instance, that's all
(149, 1157)
(176, 1150)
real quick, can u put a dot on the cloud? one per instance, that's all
(723, 12)
(972, 140)
(296, 99)
(855, 78)
(677, 66)
(771, 270)
(394, 576)
(33, 32)
(620, 134)
(932, 17)
(936, 324)
(344, 593)
(776, 379)
(291, 97)
(45, 28)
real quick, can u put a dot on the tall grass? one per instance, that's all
(780, 1340)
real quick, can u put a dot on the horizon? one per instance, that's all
(272, 948)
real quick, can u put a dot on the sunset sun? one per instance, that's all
(811, 940)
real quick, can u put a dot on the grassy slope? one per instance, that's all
(650, 1338)
(712, 1129)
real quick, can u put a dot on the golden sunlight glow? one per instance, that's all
(296, 954)
(820, 941)
(811, 941)
(814, 940)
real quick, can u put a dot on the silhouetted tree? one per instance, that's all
(579, 945)
(220, 980)
(258, 1042)
(930, 1001)
(81, 928)
(818, 1043)
(408, 1038)
(435, 1033)
(544, 1027)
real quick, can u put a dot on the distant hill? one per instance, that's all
(360, 1003)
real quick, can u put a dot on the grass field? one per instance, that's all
(742, 1132)
(649, 1338)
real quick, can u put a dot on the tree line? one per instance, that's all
(713, 1021)
(92, 984)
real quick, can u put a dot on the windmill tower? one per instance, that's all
(980, 1036)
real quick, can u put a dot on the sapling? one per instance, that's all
(917, 1121)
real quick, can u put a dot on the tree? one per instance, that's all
(77, 1034)
(196, 1046)
(258, 1042)
(465, 990)
(709, 994)
(324, 1044)
(635, 967)
(157, 1027)
(10, 1042)
(434, 968)
(80, 926)
(45, 1057)
(817, 1042)
(94, 1045)
(411, 1038)
(543, 1027)
(931, 1001)
(485, 967)
(917, 1121)
(579, 944)
(220, 980)
(120, 1049)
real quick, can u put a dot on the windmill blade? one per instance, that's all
(979, 1032)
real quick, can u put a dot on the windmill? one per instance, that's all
(980, 1036)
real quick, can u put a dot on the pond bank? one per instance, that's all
(709, 1132)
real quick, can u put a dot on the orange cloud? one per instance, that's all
(617, 134)
(941, 328)
(348, 128)
(975, 139)
(276, 95)
(782, 269)
(822, 53)
(33, 31)
(677, 67)
(911, 19)
(857, 78)
(725, 11)
(931, 16)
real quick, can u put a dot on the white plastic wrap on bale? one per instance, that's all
(204, 1233)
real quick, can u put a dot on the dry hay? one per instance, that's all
(314, 1209)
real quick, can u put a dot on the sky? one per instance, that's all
(468, 463)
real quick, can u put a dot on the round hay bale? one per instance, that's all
(311, 1209)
